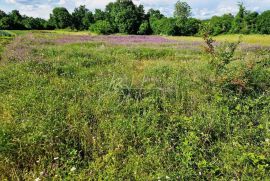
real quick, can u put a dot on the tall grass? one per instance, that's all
(100, 111)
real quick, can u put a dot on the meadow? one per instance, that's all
(75, 106)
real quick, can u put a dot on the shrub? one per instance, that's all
(233, 74)
(102, 27)
(5, 33)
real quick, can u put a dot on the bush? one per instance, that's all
(102, 27)
(232, 75)
(5, 33)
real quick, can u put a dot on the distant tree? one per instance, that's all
(99, 15)
(182, 10)
(165, 26)
(239, 24)
(29, 23)
(15, 16)
(87, 20)
(154, 15)
(5, 23)
(102, 27)
(50, 24)
(221, 25)
(82, 18)
(125, 16)
(263, 22)
(191, 27)
(145, 28)
(15, 20)
(61, 18)
(251, 21)
(2, 14)
(141, 13)
(33, 23)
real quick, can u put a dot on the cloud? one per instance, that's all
(200, 9)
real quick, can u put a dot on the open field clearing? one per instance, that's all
(74, 106)
(262, 40)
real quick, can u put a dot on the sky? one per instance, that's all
(201, 9)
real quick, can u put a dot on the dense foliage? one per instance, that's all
(82, 18)
(126, 17)
(102, 27)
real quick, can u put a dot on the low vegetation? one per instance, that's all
(5, 38)
(123, 16)
(133, 108)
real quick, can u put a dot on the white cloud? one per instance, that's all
(200, 9)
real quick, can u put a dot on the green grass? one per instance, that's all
(252, 39)
(115, 112)
(3, 42)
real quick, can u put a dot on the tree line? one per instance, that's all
(123, 16)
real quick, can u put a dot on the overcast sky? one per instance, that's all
(200, 8)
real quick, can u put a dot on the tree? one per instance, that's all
(82, 18)
(124, 15)
(2, 14)
(165, 26)
(182, 10)
(145, 29)
(31, 23)
(15, 20)
(263, 22)
(87, 20)
(99, 15)
(154, 14)
(61, 18)
(220, 25)
(251, 21)
(5, 23)
(239, 25)
(191, 27)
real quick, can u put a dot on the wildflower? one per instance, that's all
(37, 179)
(200, 173)
(72, 169)
(56, 158)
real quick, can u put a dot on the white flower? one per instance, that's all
(56, 158)
(72, 169)
(37, 179)
(200, 173)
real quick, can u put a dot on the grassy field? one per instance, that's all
(263, 40)
(76, 107)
